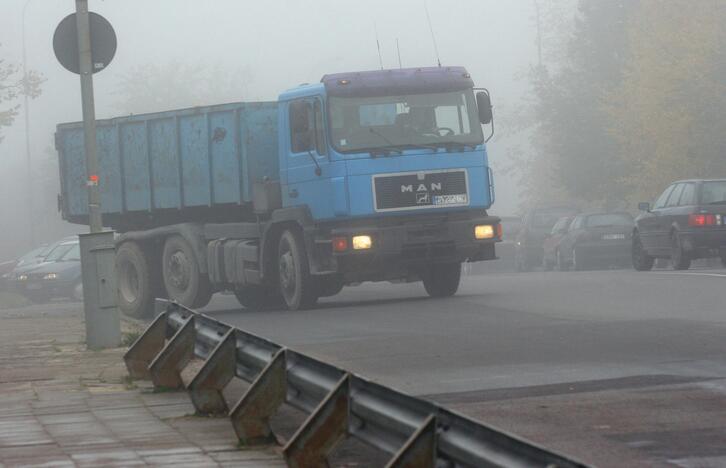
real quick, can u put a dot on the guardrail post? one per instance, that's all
(321, 432)
(146, 347)
(251, 415)
(166, 368)
(206, 387)
(419, 451)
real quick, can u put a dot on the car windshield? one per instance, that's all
(613, 219)
(406, 121)
(72, 254)
(58, 252)
(34, 254)
(713, 193)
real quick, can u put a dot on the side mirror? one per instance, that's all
(644, 206)
(484, 103)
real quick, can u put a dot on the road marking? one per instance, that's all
(683, 273)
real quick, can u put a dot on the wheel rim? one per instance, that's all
(288, 276)
(178, 270)
(128, 283)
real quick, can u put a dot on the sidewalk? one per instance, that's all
(61, 405)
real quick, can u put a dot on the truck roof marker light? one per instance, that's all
(362, 242)
(340, 244)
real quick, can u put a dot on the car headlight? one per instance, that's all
(50, 276)
(22, 277)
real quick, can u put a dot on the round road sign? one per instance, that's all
(103, 43)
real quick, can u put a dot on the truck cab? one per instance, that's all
(391, 167)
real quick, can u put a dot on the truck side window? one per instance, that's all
(320, 145)
(301, 128)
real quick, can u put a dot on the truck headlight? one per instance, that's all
(362, 242)
(484, 231)
(50, 276)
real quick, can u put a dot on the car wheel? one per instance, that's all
(578, 259)
(679, 258)
(297, 286)
(723, 262)
(442, 280)
(546, 264)
(560, 261)
(641, 260)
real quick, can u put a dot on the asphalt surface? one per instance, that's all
(613, 367)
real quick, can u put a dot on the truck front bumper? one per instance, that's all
(401, 246)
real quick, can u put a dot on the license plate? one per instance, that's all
(459, 199)
(613, 236)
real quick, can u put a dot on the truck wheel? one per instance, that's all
(184, 282)
(641, 260)
(297, 286)
(679, 258)
(135, 298)
(256, 297)
(442, 280)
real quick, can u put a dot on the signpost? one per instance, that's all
(85, 43)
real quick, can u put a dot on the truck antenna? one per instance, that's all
(378, 44)
(433, 37)
(398, 49)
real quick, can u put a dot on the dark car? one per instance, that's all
(536, 226)
(552, 243)
(595, 239)
(58, 276)
(687, 221)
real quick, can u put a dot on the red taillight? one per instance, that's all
(699, 220)
(500, 231)
(340, 244)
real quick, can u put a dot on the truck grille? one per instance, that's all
(412, 190)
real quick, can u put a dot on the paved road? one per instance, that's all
(613, 367)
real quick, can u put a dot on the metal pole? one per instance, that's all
(89, 114)
(26, 112)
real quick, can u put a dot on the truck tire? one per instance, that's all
(297, 286)
(256, 297)
(442, 280)
(183, 279)
(135, 297)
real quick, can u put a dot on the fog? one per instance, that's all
(272, 45)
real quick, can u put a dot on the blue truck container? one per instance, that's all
(176, 161)
(366, 176)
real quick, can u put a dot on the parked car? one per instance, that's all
(595, 239)
(552, 242)
(536, 226)
(58, 276)
(687, 221)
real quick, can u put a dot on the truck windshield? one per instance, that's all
(407, 121)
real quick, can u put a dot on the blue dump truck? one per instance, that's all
(366, 176)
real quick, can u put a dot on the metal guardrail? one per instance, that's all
(415, 432)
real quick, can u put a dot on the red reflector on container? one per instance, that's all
(340, 244)
(698, 220)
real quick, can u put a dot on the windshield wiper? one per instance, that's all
(400, 146)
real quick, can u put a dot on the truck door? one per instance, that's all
(306, 175)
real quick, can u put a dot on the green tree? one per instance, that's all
(12, 86)
(668, 111)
